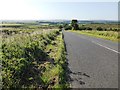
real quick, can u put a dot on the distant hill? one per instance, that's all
(60, 21)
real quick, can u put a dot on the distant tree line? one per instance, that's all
(74, 26)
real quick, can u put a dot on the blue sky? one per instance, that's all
(46, 10)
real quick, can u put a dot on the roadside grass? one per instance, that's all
(33, 60)
(94, 26)
(109, 35)
(55, 74)
(21, 57)
(0, 62)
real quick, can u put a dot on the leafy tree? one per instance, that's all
(74, 24)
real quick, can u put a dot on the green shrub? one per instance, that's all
(68, 27)
(21, 56)
(82, 28)
(99, 28)
(88, 28)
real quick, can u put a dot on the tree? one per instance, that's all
(74, 24)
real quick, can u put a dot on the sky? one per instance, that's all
(60, 9)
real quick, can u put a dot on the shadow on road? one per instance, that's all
(71, 75)
(77, 76)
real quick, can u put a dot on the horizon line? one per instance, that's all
(58, 19)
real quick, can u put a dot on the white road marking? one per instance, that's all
(101, 45)
(106, 47)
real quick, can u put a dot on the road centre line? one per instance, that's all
(101, 45)
(106, 47)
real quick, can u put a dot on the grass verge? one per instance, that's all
(34, 61)
(55, 74)
(109, 35)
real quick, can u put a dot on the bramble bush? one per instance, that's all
(21, 56)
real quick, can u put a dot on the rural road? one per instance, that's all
(92, 62)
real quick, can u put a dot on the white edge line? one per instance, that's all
(106, 47)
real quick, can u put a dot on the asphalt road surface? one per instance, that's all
(92, 62)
